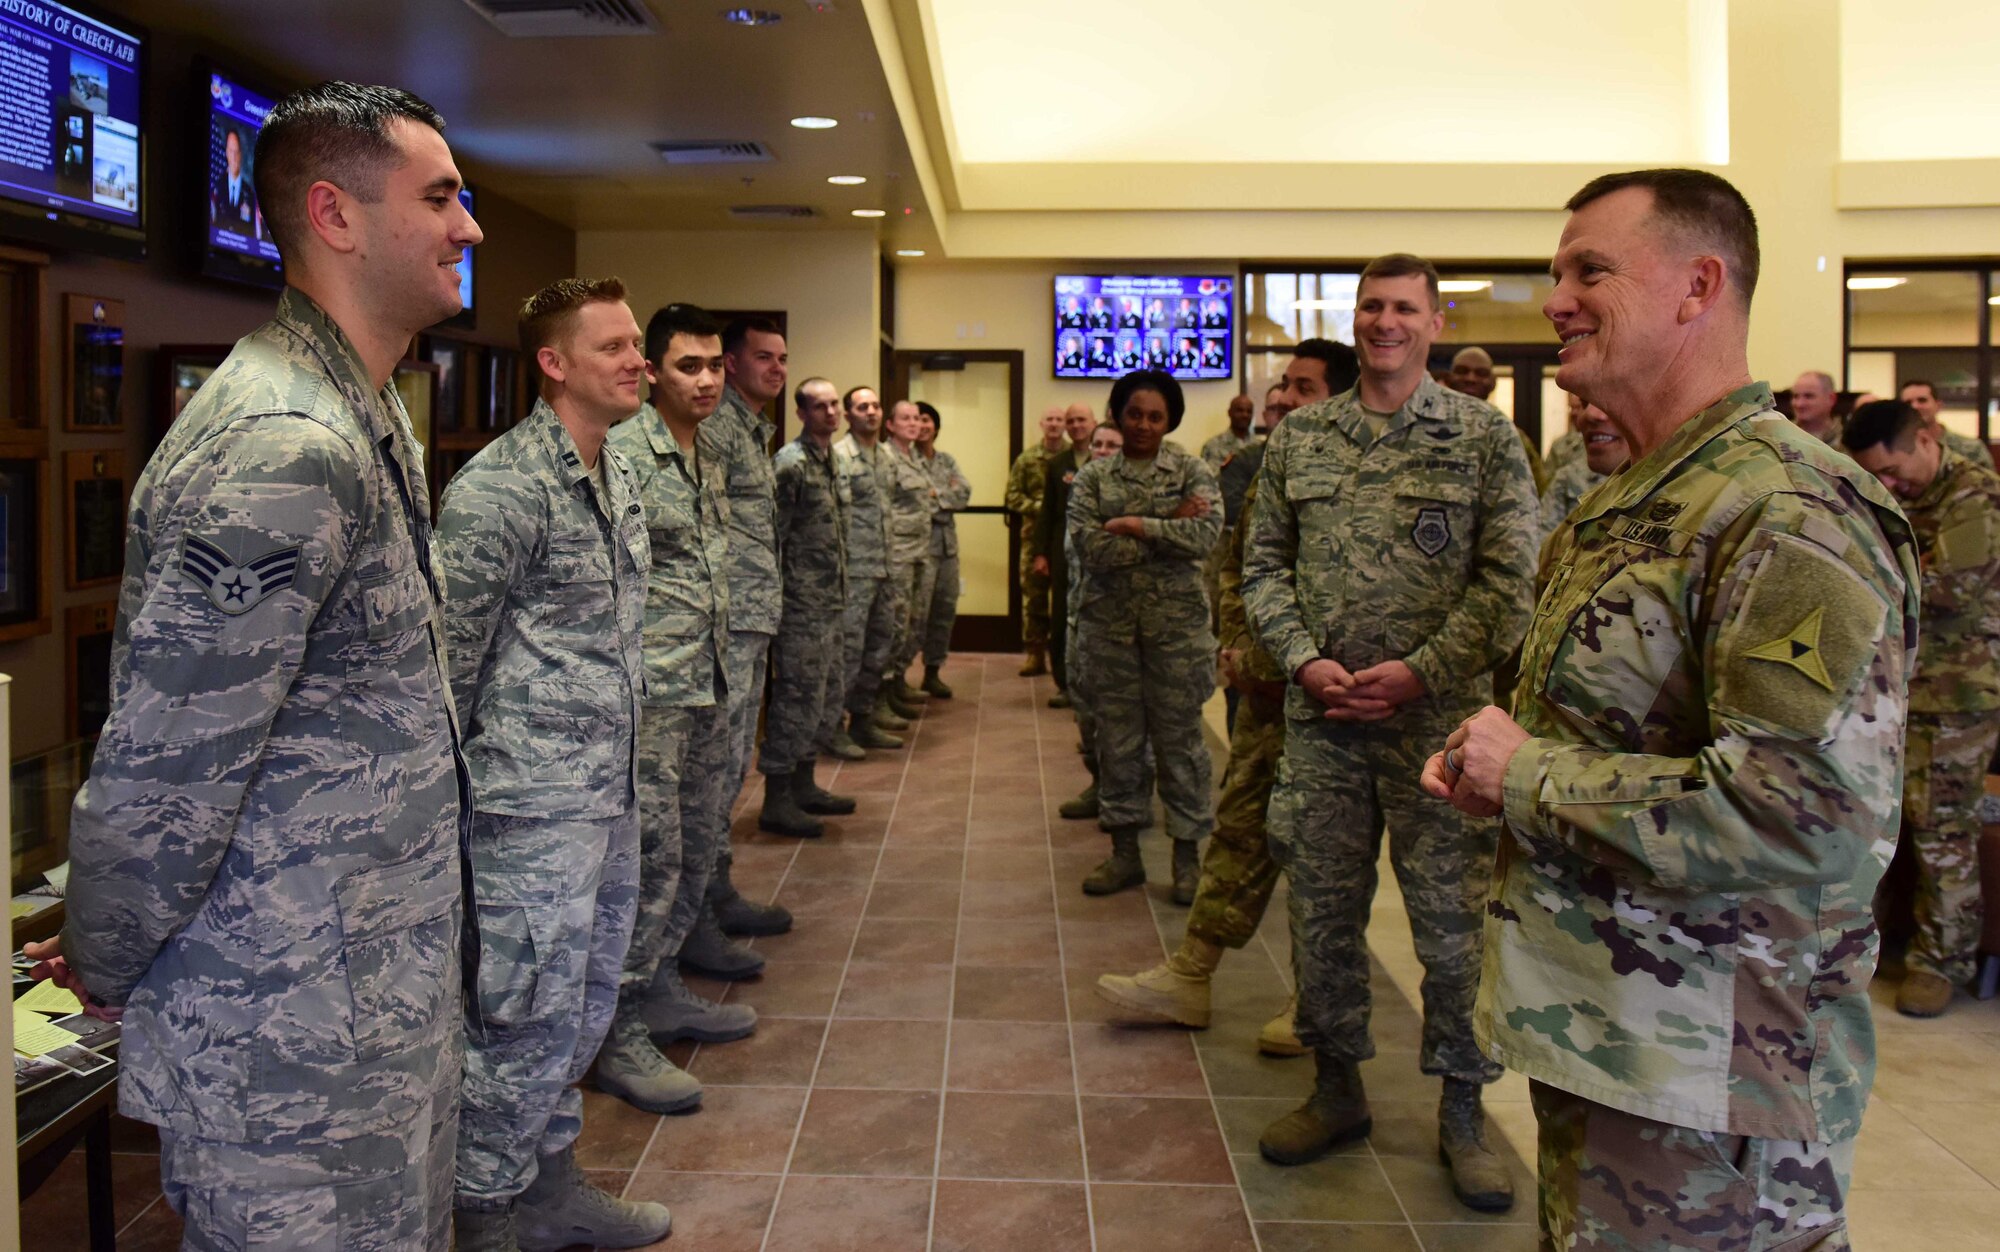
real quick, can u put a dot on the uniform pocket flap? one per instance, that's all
(1310, 486)
(1442, 492)
(396, 604)
(675, 625)
(395, 898)
(580, 566)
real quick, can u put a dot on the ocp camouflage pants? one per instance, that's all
(239, 1197)
(874, 609)
(1034, 594)
(556, 899)
(917, 579)
(1611, 1181)
(806, 667)
(1146, 686)
(1336, 786)
(1238, 872)
(685, 790)
(1942, 782)
(942, 611)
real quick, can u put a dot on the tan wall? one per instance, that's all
(827, 283)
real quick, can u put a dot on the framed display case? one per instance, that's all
(87, 632)
(23, 282)
(43, 788)
(179, 370)
(95, 492)
(500, 392)
(453, 357)
(93, 364)
(25, 591)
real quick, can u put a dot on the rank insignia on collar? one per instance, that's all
(233, 588)
(1432, 533)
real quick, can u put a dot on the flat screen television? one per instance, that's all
(1108, 325)
(236, 242)
(464, 317)
(72, 141)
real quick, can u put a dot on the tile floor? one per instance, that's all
(933, 1070)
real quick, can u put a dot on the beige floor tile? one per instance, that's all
(1970, 1131)
(1893, 1154)
(1926, 1221)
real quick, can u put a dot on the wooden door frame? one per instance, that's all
(978, 633)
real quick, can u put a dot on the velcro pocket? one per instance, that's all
(398, 940)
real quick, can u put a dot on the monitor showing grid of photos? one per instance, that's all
(1108, 325)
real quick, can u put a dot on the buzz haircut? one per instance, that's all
(677, 319)
(549, 315)
(1705, 207)
(1343, 368)
(1893, 423)
(1401, 265)
(847, 401)
(1925, 383)
(738, 331)
(341, 133)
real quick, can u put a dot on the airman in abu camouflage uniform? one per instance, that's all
(938, 590)
(266, 863)
(1143, 522)
(1954, 508)
(1238, 872)
(737, 441)
(684, 785)
(875, 599)
(1703, 788)
(543, 540)
(910, 498)
(813, 503)
(1387, 570)
(1603, 452)
(1025, 480)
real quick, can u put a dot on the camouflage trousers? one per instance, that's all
(556, 899)
(1611, 1181)
(1034, 593)
(874, 607)
(918, 581)
(1943, 779)
(236, 1197)
(684, 797)
(937, 607)
(745, 669)
(1086, 727)
(1238, 873)
(806, 672)
(1338, 783)
(1145, 687)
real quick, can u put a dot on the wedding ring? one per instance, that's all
(1451, 761)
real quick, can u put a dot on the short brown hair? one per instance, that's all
(1400, 265)
(1703, 205)
(337, 132)
(550, 313)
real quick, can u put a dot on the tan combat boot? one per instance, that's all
(1174, 991)
(1923, 994)
(1335, 1114)
(1036, 663)
(1478, 1175)
(1280, 1036)
(1121, 869)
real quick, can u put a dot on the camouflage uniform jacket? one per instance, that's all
(1025, 480)
(1126, 578)
(1235, 477)
(953, 494)
(868, 519)
(1052, 528)
(545, 602)
(1681, 924)
(813, 504)
(1233, 630)
(1568, 447)
(687, 591)
(909, 498)
(1567, 488)
(1966, 446)
(266, 862)
(1957, 524)
(734, 439)
(1418, 546)
(1217, 451)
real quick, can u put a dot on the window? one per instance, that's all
(1931, 321)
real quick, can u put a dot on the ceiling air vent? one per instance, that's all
(713, 152)
(770, 212)
(547, 19)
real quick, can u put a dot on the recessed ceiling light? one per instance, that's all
(1993, 299)
(751, 17)
(869, 213)
(920, 252)
(1465, 284)
(814, 123)
(847, 180)
(1874, 283)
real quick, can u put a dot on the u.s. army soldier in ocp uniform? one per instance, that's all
(739, 436)
(1025, 480)
(1388, 570)
(1703, 788)
(543, 541)
(266, 861)
(813, 504)
(875, 596)
(1954, 508)
(684, 785)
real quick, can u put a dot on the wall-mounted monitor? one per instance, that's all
(465, 315)
(72, 142)
(236, 242)
(1107, 325)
